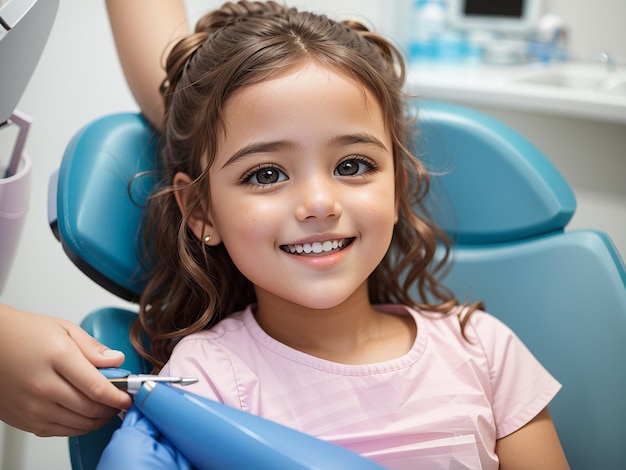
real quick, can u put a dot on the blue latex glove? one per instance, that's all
(137, 444)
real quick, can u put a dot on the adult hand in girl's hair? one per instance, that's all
(49, 381)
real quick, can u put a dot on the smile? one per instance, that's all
(316, 248)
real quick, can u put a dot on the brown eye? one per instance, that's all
(265, 175)
(354, 166)
(348, 168)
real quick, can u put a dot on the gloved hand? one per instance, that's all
(137, 444)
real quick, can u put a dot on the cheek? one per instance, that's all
(379, 206)
(384, 216)
(244, 222)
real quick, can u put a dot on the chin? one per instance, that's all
(321, 302)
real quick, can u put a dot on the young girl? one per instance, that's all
(287, 243)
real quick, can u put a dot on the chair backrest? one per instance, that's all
(563, 292)
(505, 204)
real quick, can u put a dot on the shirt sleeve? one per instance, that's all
(220, 375)
(521, 386)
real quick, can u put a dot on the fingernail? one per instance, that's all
(111, 353)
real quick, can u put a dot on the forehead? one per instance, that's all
(304, 92)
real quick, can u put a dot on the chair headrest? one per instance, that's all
(489, 183)
(106, 175)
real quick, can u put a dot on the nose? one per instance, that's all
(318, 199)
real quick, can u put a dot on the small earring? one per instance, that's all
(207, 239)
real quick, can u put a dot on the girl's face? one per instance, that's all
(302, 187)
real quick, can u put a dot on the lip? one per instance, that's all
(326, 259)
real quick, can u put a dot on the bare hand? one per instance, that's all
(48, 378)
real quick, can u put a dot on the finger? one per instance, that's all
(51, 429)
(95, 352)
(76, 370)
(78, 424)
(46, 418)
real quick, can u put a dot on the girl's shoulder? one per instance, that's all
(461, 332)
(232, 324)
(459, 321)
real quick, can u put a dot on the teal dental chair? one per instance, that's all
(501, 200)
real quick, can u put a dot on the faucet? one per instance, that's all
(609, 60)
(610, 80)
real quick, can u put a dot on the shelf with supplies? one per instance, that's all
(585, 89)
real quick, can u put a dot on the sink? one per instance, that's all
(576, 78)
(619, 89)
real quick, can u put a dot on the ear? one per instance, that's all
(200, 221)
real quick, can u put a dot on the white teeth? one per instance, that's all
(316, 247)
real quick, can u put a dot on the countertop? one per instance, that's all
(580, 89)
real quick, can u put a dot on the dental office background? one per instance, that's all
(79, 78)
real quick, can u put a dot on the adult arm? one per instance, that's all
(535, 446)
(144, 31)
(49, 382)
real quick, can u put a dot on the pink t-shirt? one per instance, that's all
(441, 405)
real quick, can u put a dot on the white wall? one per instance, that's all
(593, 25)
(79, 78)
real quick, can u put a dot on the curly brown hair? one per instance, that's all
(191, 286)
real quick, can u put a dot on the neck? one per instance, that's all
(352, 332)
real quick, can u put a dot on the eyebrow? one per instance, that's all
(280, 145)
(260, 147)
(359, 138)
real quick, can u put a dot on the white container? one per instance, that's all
(428, 20)
(14, 203)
